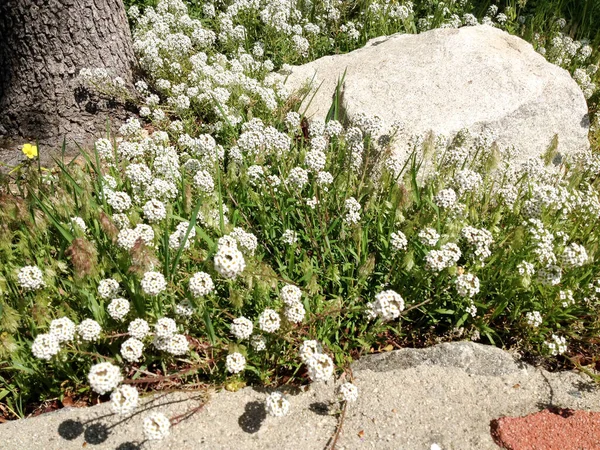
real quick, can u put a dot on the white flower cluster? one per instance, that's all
(45, 346)
(289, 237)
(534, 318)
(138, 328)
(398, 241)
(108, 288)
(156, 426)
(118, 308)
(294, 309)
(352, 211)
(467, 285)
(104, 377)
(574, 255)
(153, 283)
(429, 236)
(229, 261)
(89, 330)
(154, 210)
(348, 392)
(201, 284)
(525, 268)
(557, 345)
(242, 328)
(176, 238)
(480, 241)
(277, 405)
(447, 256)
(387, 306)
(247, 242)
(235, 362)
(31, 278)
(269, 321)
(446, 198)
(132, 349)
(124, 400)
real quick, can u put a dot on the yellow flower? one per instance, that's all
(30, 150)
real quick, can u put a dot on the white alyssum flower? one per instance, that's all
(566, 298)
(177, 345)
(204, 181)
(575, 255)
(201, 284)
(138, 329)
(557, 345)
(184, 309)
(549, 275)
(534, 318)
(63, 329)
(31, 278)
(525, 268)
(258, 342)
(388, 305)
(289, 237)
(320, 367)
(298, 178)
(290, 294)
(269, 321)
(446, 198)
(156, 426)
(467, 285)
(308, 349)
(153, 283)
(104, 377)
(235, 362)
(352, 211)
(165, 327)
(132, 349)
(108, 288)
(295, 312)
(398, 241)
(124, 400)
(118, 200)
(118, 308)
(242, 328)
(154, 210)
(277, 405)
(247, 242)
(45, 346)
(89, 330)
(348, 392)
(229, 261)
(79, 223)
(429, 236)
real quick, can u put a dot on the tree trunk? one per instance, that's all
(43, 46)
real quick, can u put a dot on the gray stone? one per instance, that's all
(479, 78)
(408, 400)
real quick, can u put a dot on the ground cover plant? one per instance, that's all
(221, 238)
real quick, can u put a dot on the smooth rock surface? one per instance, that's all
(408, 399)
(443, 80)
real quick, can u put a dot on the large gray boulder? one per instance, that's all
(479, 78)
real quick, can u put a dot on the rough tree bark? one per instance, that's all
(43, 46)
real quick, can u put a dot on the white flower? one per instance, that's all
(235, 362)
(574, 255)
(118, 308)
(298, 177)
(247, 242)
(156, 426)
(258, 342)
(177, 344)
(120, 201)
(348, 392)
(30, 278)
(429, 236)
(446, 198)
(388, 305)
(108, 288)
(290, 294)
(165, 327)
(184, 309)
(550, 275)
(132, 349)
(534, 318)
(63, 329)
(201, 284)
(269, 321)
(229, 261)
(557, 346)
(153, 283)
(104, 377)
(525, 268)
(289, 237)
(154, 210)
(124, 399)
(78, 222)
(204, 181)
(277, 405)
(398, 241)
(138, 328)
(467, 285)
(242, 328)
(320, 367)
(295, 312)
(89, 330)
(352, 211)
(45, 346)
